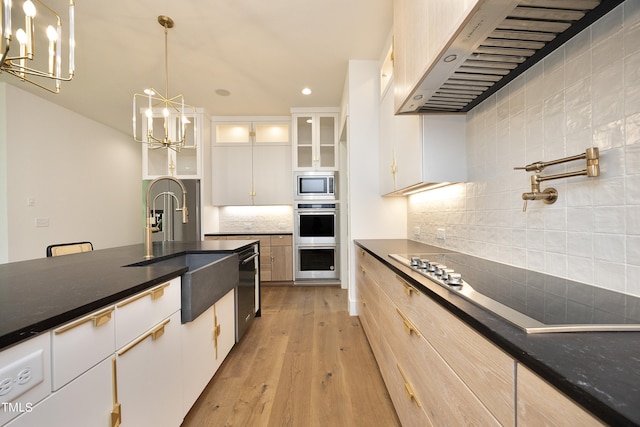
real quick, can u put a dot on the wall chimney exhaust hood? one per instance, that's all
(483, 57)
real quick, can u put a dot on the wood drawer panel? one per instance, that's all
(485, 369)
(281, 240)
(445, 397)
(410, 412)
(540, 404)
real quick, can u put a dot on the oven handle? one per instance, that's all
(315, 211)
(246, 260)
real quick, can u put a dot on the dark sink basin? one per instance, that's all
(209, 278)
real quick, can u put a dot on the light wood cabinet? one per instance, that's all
(276, 255)
(251, 160)
(315, 139)
(422, 31)
(434, 384)
(540, 404)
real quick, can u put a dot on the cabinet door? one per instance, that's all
(272, 176)
(86, 401)
(225, 319)
(281, 258)
(198, 356)
(541, 404)
(232, 175)
(315, 141)
(148, 376)
(400, 148)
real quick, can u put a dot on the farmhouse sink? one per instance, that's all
(209, 278)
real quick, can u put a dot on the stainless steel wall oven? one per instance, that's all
(316, 235)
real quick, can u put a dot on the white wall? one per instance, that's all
(81, 175)
(585, 94)
(370, 216)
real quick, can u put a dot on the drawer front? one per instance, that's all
(444, 396)
(141, 311)
(539, 404)
(485, 369)
(95, 334)
(409, 409)
(281, 240)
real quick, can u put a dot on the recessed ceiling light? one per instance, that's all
(223, 92)
(306, 91)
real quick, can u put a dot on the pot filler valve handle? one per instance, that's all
(550, 195)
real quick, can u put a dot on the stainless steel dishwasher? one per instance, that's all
(246, 290)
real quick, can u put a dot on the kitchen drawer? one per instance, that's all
(487, 370)
(95, 334)
(410, 410)
(444, 396)
(140, 312)
(281, 240)
(539, 404)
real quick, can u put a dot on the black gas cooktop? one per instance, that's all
(533, 301)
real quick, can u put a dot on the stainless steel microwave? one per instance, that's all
(316, 185)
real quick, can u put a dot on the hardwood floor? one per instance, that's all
(305, 362)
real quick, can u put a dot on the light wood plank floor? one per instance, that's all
(305, 362)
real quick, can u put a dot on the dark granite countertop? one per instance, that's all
(41, 294)
(598, 370)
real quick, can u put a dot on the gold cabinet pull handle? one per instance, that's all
(407, 387)
(364, 271)
(408, 326)
(408, 289)
(155, 294)
(155, 333)
(98, 319)
(116, 414)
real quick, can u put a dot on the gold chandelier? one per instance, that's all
(23, 64)
(173, 111)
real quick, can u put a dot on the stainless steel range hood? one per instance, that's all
(495, 45)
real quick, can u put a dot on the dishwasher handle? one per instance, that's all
(246, 260)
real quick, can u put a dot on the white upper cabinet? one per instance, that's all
(315, 138)
(186, 163)
(251, 158)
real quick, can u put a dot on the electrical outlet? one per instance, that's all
(440, 233)
(416, 231)
(247, 226)
(21, 376)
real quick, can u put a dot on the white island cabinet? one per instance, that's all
(206, 341)
(148, 368)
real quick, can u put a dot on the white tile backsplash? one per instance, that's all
(586, 93)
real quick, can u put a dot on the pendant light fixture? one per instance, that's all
(22, 62)
(172, 112)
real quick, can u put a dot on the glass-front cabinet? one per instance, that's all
(183, 163)
(315, 136)
(251, 159)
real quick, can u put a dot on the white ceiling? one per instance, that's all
(263, 52)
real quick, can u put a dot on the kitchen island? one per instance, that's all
(41, 294)
(600, 371)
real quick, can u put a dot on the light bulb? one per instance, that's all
(21, 36)
(52, 34)
(148, 113)
(29, 9)
(149, 92)
(165, 112)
